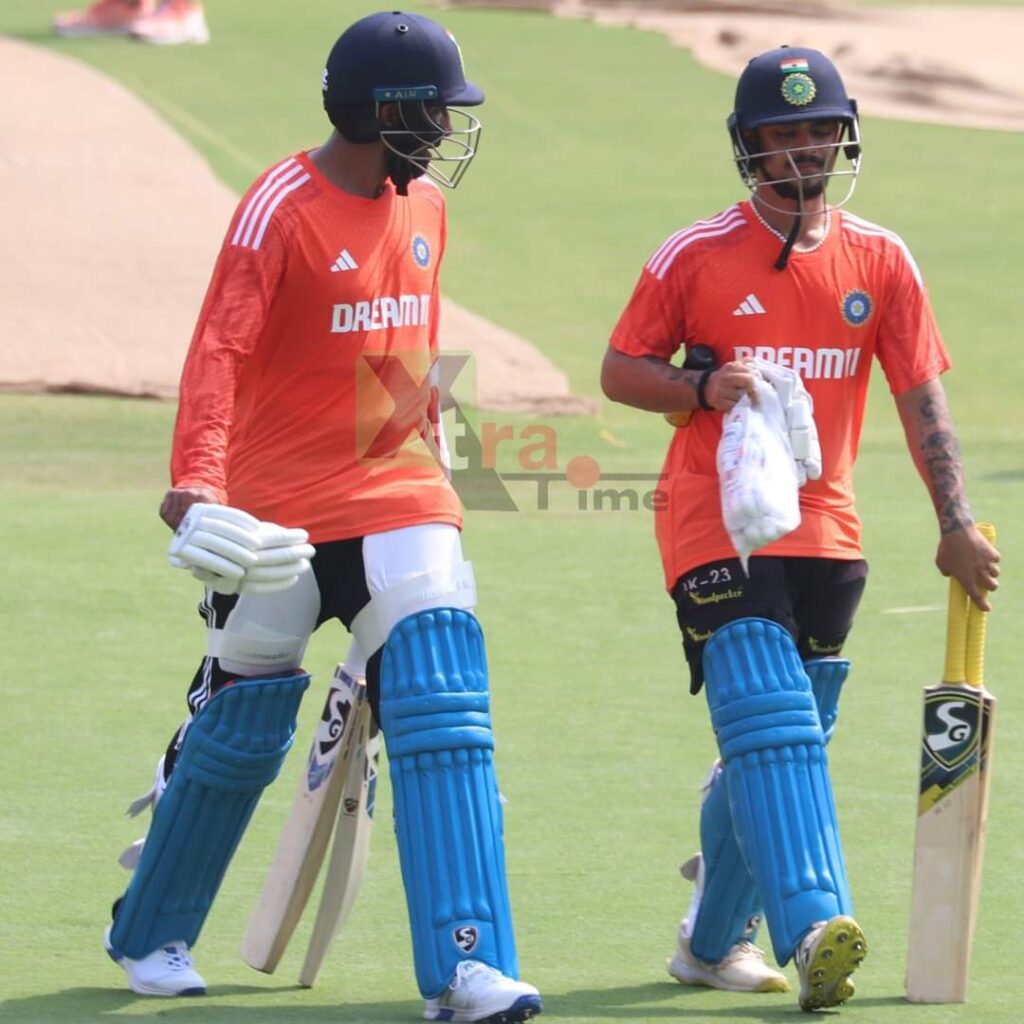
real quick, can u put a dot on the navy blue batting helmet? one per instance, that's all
(397, 78)
(789, 84)
(394, 56)
(792, 83)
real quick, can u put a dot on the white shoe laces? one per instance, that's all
(743, 950)
(176, 957)
(467, 968)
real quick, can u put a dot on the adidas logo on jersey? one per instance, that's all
(749, 307)
(344, 262)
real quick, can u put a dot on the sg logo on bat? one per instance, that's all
(954, 744)
(952, 726)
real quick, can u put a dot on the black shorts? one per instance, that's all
(814, 598)
(341, 579)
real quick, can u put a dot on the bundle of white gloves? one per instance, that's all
(769, 449)
(232, 552)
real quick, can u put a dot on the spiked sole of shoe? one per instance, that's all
(841, 950)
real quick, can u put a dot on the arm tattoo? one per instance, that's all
(940, 453)
(690, 376)
(677, 373)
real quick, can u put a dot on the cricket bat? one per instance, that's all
(956, 768)
(307, 832)
(351, 847)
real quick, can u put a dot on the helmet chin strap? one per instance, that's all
(798, 218)
(787, 248)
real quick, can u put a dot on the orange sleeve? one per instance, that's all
(230, 325)
(652, 324)
(910, 348)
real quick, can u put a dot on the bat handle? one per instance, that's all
(955, 670)
(977, 621)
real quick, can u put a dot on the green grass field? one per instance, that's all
(600, 749)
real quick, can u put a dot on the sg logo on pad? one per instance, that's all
(466, 938)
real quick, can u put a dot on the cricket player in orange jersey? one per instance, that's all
(308, 484)
(789, 278)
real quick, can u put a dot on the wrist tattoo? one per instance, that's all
(691, 377)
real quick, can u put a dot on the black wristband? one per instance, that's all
(702, 385)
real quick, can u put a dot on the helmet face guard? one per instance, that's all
(784, 86)
(413, 63)
(435, 140)
(842, 162)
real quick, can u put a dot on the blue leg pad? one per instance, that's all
(730, 905)
(233, 749)
(435, 716)
(776, 769)
(827, 676)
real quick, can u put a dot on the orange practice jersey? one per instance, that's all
(858, 296)
(306, 395)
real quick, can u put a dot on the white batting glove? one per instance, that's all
(217, 543)
(283, 556)
(798, 408)
(232, 552)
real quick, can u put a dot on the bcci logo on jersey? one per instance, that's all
(421, 251)
(857, 308)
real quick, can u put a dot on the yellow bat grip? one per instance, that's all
(977, 620)
(956, 634)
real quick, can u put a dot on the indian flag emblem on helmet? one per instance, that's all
(857, 308)
(794, 64)
(798, 89)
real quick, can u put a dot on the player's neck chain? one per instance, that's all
(782, 237)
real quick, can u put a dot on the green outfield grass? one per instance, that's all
(594, 151)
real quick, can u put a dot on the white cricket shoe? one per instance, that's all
(479, 993)
(826, 957)
(742, 969)
(173, 22)
(167, 971)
